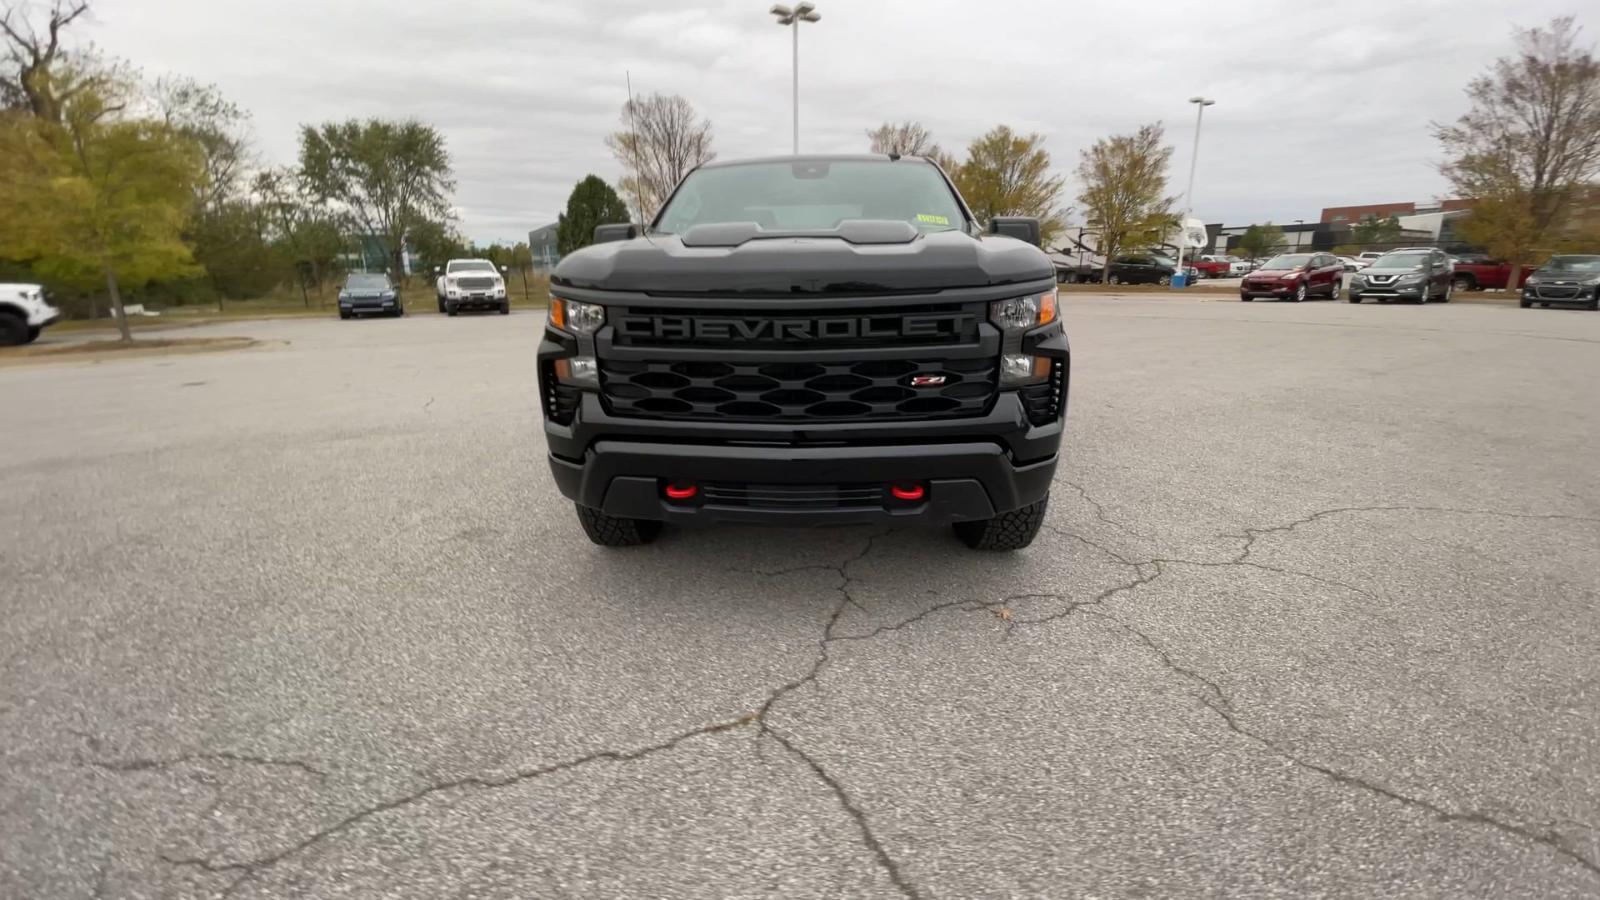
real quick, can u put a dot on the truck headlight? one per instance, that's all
(1015, 317)
(576, 317)
(1410, 279)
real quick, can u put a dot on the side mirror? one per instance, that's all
(504, 269)
(435, 270)
(625, 231)
(1023, 228)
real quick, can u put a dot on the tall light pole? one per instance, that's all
(1188, 195)
(791, 19)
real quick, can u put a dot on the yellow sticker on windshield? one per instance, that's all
(926, 219)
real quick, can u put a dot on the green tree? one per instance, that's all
(1125, 190)
(300, 226)
(1260, 241)
(592, 202)
(98, 198)
(1008, 174)
(1529, 143)
(1376, 231)
(436, 242)
(386, 176)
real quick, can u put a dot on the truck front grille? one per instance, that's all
(475, 284)
(799, 391)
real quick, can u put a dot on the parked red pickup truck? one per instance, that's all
(1211, 266)
(1480, 273)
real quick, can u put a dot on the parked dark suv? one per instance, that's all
(803, 340)
(1564, 279)
(1421, 275)
(1147, 268)
(369, 293)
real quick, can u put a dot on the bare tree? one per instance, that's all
(1529, 142)
(903, 139)
(31, 78)
(1125, 189)
(217, 125)
(664, 140)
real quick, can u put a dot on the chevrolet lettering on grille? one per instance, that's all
(745, 328)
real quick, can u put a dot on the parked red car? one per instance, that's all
(1295, 276)
(1479, 273)
(1210, 267)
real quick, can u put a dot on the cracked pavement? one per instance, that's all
(1314, 614)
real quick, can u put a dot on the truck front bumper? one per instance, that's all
(801, 485)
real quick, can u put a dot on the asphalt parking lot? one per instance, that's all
(1316, 613)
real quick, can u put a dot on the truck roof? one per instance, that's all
(813, 157)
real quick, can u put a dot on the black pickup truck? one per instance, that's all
(803, 340)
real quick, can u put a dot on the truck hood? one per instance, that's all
(743, 259)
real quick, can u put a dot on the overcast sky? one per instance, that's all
(1315, 106)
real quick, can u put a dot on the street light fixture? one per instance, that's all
(791, 19)
(1188, 195)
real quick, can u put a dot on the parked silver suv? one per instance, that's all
(1419, 275)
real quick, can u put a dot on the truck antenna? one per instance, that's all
(638, 185)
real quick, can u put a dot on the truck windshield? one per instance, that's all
(1401, 261)
(813, 195)
(472, 265)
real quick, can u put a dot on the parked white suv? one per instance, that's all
(471, 284)
(24, 313)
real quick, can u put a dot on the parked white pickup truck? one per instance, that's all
(24, 312)
(471, 284)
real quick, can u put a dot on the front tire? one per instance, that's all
(1012, 530)
(344, 314)
(450, 309)
(1463, 282)
(616, 531)
(1164, 281)
(1354, 298)
(1115, 279)
(13, 330)
(1333, 292)
(1525, 303)
(505, 308)
(1300, 292)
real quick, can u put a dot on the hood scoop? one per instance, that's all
(854, 231)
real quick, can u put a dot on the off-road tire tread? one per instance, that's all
(1012, 530)
(615, 531)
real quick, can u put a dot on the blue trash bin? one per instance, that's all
(1179, 280)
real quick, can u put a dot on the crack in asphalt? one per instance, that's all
(1215, 699)
(148, 764)
(1251, 535)
(848, 804)
(1145, 572)
(1220, 704)
(246, 870)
